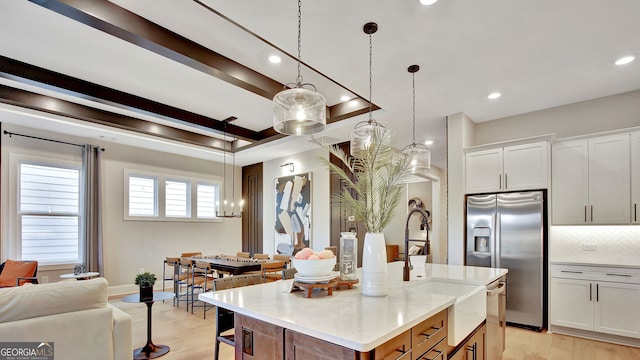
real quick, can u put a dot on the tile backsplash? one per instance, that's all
(619, 245)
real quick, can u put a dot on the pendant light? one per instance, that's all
(225, 206)
(364, 132)
(296, 110)
(419, 153)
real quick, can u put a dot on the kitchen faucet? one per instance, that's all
(425, 222)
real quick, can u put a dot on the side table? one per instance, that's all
(149, 351)
(81, 276)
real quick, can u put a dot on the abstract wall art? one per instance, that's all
(293, 213)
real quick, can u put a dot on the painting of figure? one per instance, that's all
(293, 213)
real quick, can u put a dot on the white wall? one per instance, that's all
(608, 113)
(130, 245)
(308, 161)
(460, 133)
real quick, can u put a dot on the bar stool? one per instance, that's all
(173, 263)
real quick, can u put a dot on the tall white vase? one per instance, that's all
(374, 265)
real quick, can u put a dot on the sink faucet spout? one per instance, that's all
(406, 270)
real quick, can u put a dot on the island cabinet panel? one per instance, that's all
(303, 347)
(397, 348)
(257, 339)
(428, 333)
(473, 348)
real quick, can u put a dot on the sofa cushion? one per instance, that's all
(27, 302)
(14, 269)
(78, 335)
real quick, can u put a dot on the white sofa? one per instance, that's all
(74, 315)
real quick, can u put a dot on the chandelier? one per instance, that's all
(419, 153)
(364, 131)
(296, 110)
(224, 212)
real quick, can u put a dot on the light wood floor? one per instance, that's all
(191, 338)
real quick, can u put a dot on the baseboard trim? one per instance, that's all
(592, 335)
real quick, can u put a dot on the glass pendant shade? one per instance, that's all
(299, 111)
(364, 133)
(420, 156)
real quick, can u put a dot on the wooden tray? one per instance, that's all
(309, 287)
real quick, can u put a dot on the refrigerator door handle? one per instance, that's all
(497, 252)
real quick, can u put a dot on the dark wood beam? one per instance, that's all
(125, 25)
(30, 100)
(47, 79)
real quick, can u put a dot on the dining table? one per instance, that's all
(231, 264)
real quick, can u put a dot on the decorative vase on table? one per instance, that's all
(374, 265)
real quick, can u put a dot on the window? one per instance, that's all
(49, 213)
(206, 200)
(143, 195)
(169, 197)
(177, 196)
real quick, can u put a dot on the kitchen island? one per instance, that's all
(358, 323)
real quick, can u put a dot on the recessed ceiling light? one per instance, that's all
(353, 102)
(428, 142)
(494, 95)
(428, 2)
(275, 59)
(345, 98)
(625, 60)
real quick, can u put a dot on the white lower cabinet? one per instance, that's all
(599, 299)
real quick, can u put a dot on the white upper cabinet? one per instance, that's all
(635, 178)
(525, 166)
(591, 181)
(510, 168)
(484, 171)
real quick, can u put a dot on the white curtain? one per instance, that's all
(92, 225)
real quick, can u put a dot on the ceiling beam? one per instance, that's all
(50, 80)
(130, 27)
(47, 104)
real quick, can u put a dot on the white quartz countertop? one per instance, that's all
(347, 318)
(450, 273)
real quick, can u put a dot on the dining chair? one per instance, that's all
(203, 270)
(191, 254)
(261, 256)
(272, 270)
(172, 263)
(284, 258)
(190, 282)
(242, 254)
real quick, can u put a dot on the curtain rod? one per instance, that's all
(39, 138)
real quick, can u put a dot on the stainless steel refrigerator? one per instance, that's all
(509, 230)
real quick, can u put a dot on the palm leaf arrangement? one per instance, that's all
(373, 183)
